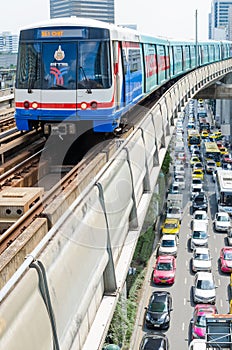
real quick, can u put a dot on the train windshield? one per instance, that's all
(65, 65)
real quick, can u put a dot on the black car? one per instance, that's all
(154, 341)
(200, 202)
(158, 310)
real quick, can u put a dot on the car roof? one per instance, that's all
(165, 257)
(172, 220)
(204, 275)
(201, 250)
(169, 237)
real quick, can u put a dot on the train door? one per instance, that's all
(59, 80)
(132, 68)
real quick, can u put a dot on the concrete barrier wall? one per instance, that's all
(88, 251)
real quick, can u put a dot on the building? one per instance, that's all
(219, 22)
(8, 43)
(102, 10)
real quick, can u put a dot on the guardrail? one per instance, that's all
(82, 262)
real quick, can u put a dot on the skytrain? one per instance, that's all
(76, 70)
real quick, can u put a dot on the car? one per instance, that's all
(223, 150)
(197, 153)
(199, 319)
(194, 160)
(190, 125)
(179, 169)
(200, 202)
(226, 259)
(159, 310)
(210, 166)
(198, 166)
(229, 237)
(215, 173)
(198, 173)
(174, 212)
(199, 235)
(217, 135)
(164, 270)
(204, 134)
(204, 290)
(196, 187)
(181, 156)
(197, 344)
(168, 245)
(222, 222)
(180, 179)
(171, 226)
(226, 158)
(175, 188)
(201, 260)
(154, 341)
(200, 216)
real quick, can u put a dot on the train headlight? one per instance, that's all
(93, 105)
(34, 105)
(84, 105)
(26, 104)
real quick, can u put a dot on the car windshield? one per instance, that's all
(197, 181)
(200, 217)
(205, 284)
(170, 225)
(158, 306)
(223, 218)
(199, 199)
(173, 210)
(199, 234)
(168, 243)
(228, 256)
(164, 266)
(200, 256)
(200, 321)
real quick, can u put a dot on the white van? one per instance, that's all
(197, 344)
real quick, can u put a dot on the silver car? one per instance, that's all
(204, 290)
(201, 260)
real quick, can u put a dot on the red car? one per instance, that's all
(164, 270)
(198, 321)
(226, 259)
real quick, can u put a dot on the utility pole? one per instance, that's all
(196, 37)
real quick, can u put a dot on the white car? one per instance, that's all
(197, 344)
(179, 169)
(200, 216)
(180, 180)
(199, 235)
(201, 260)
(196, 187)
(229, 237)
(222, 222)
(168, 245)
(204, 290)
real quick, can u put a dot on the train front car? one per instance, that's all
(66, 76)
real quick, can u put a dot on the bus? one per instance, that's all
(194, 137)
(223, 183)
(212, 152)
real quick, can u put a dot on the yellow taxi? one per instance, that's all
(217, 135)
(204, 134)
(194, 160)
(198, 166)
(198, 173)
(171, 226)
(223, 150)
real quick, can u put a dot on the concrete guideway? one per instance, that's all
(82, 262)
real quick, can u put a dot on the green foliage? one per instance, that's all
(166, 163)
(123, 321)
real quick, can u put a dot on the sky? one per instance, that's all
(165, 18)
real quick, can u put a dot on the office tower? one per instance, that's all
(8, 43)
(220, 19)
(102, 10)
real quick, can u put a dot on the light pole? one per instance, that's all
(196, 37)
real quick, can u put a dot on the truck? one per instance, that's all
(174, 206)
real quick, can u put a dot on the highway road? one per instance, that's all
(179, 332)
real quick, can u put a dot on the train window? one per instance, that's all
(94, 65)
(150, 66)
(59, 66)
(29, 72)
(134, 58)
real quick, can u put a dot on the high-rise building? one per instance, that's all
(219, 19)
(102, 10)
(8, 43)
